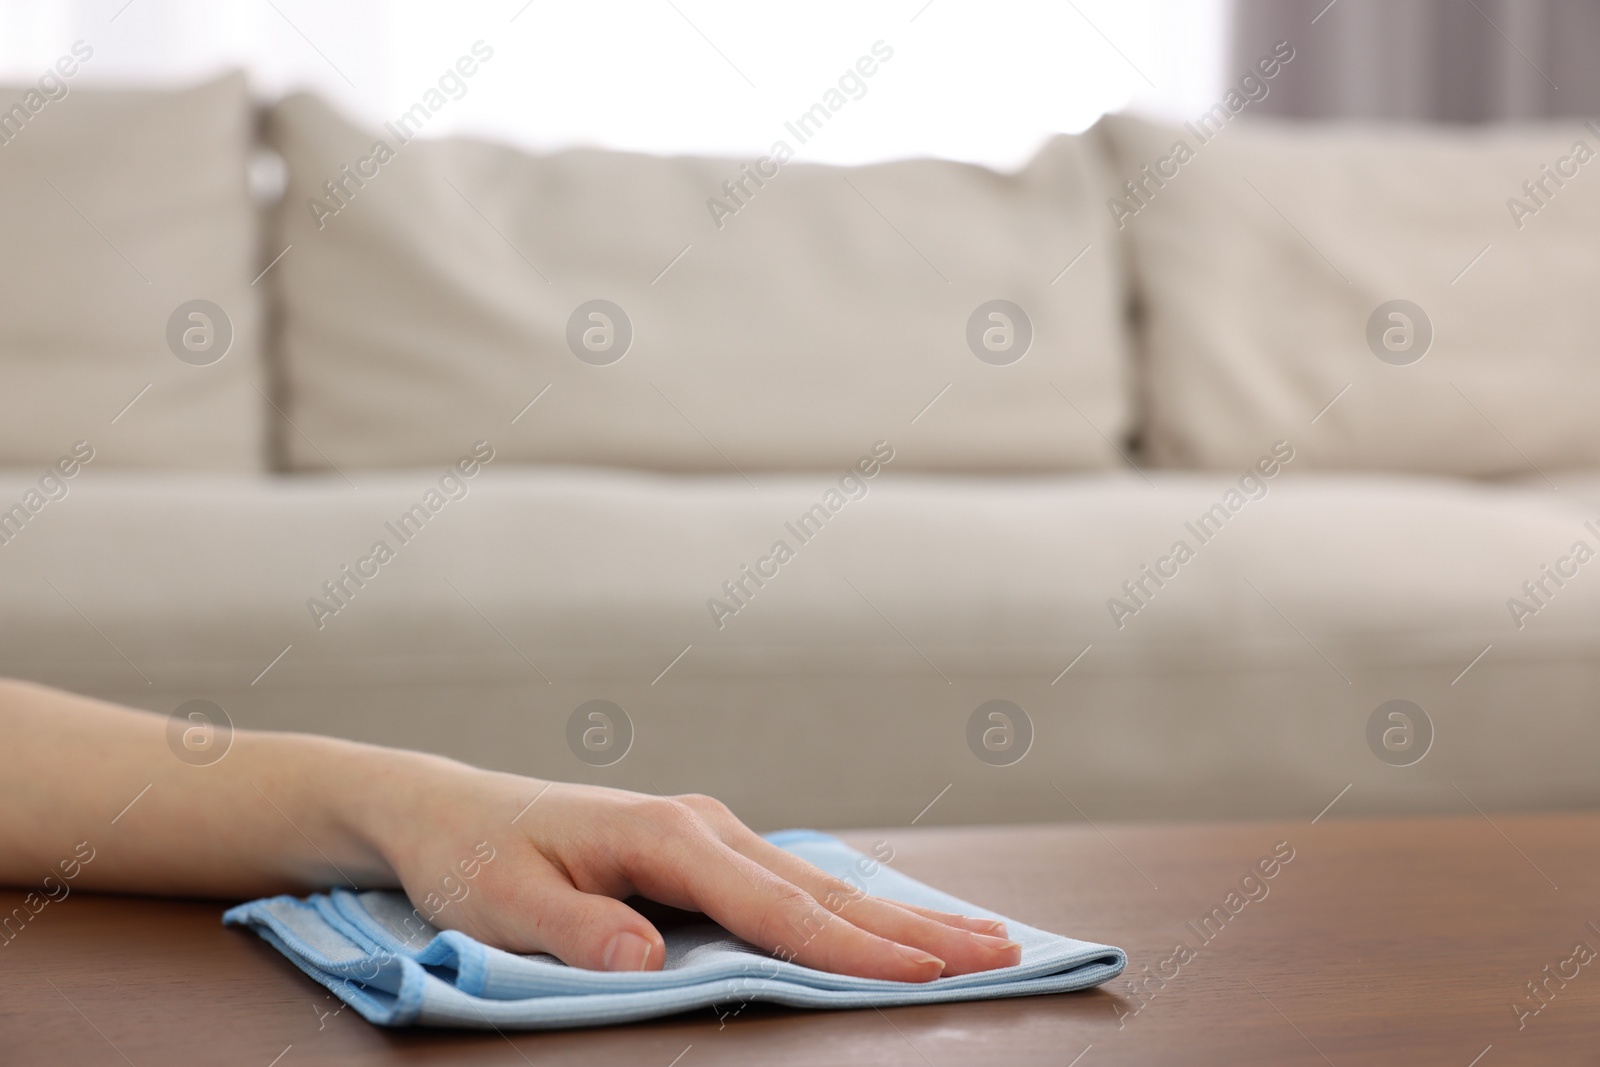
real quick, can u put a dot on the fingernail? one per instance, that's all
(917, 956)
(983, 926)
(998, 944)
(627, 952)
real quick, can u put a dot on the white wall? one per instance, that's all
(970, 79)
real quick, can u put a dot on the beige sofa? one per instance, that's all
(580, 407)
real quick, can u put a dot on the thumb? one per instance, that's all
(590, 931)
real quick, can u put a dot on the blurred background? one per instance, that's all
(449, 376)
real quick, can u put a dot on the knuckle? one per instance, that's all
(705, 806)
(581, 923)
(791, 919)
(670, 817)
(648, 823)
(838, 894)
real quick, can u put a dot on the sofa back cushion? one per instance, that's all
(1283, 268)
(123, 213)
(688, 314)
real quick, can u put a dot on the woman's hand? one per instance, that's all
(293, 812)
(565, 857)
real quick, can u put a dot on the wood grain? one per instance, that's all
(1380, 942)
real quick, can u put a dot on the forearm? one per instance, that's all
(279, 812)
(93, 797)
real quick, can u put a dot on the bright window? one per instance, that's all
(981, 81)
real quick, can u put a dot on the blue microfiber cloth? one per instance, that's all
(356, 945)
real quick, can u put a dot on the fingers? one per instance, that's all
(695, 869)
(991, 927)
(581, 929)
(963, 950)
(736, 833)
(691, 853)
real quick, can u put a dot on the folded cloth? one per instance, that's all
(360, 947)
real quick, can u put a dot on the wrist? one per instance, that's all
(334, 793)
(381, 798)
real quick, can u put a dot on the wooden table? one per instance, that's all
(1380, 942)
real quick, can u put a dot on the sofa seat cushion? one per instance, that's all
(841, 690)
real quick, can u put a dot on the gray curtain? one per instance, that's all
(1425, 60)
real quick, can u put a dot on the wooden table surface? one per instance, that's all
(1379, 942)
